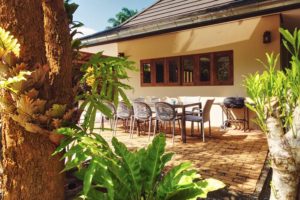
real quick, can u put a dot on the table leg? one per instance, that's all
(248, 118)
(183, 129)
(245, 118)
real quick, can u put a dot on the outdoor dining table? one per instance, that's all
(183, 106)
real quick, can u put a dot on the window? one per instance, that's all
(188, 70)
(146, 72)
(203, 69)
(159, 71)
(223, 68)
(173, 71)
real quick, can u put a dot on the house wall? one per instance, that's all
(107, 49)
(244, 37)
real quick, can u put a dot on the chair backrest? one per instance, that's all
(123, 111)
(164, 111)
(154, 100)
(189, 99)
(139, 99)
(206, 109)
(142, 111)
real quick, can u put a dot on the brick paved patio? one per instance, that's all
(233, 156)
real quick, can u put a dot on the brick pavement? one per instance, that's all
(233, 156)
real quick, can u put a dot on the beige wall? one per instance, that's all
(244, 37)
(108, 49)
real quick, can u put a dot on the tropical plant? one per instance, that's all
(121, 17)
(73, 25)
(276, 101)
(102, 81)
(121, 174)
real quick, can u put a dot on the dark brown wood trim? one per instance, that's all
(196, 70)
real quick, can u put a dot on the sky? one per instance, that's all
(95, 13)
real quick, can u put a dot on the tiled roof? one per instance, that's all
(170, 9)
(173, 15)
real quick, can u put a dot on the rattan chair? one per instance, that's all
(165, 112)
(142, 113)
(202, 117)
(124, 112)
(110, 119)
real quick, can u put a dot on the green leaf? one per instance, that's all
(104, 109)
(131, 164)
(92, 120)
(88, 177)
(209, 185)
(152, 162)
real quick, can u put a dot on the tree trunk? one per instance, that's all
(284, 151)
(58, 51)
(30, 172)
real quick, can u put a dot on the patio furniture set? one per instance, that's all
(156, 112)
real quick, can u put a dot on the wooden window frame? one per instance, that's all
(231, 78)
(142, 72)
(197, 74)
(182, 70)
(196, 70)
(154, 61)
(177, 60)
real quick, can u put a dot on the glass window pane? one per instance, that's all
(173, 71)
(188, 68)
(222, 67)
(146, 73)
(159, 72)
(204, 68)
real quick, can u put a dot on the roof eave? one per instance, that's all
(258, 9)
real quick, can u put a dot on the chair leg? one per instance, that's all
(209, 128)
(125, 124)
(173, 131)
(192, 129)
(102, 123)
(202, 130)
(179, 125)
(149, 130)
(115, 127)
(155, 125)
(132, 130)
(138, 127)
(131, 125)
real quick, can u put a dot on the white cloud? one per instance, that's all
(84, 31)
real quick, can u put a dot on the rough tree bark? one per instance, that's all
(29, 170)
(58, 50)
(285, 157)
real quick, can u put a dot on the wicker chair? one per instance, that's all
(165, 112)
(112, 119)
(139, 99)
(124, 112)
(202, 117)
(142, 113)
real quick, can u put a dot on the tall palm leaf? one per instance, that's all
(121, 17)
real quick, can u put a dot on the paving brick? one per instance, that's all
(233, 156)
